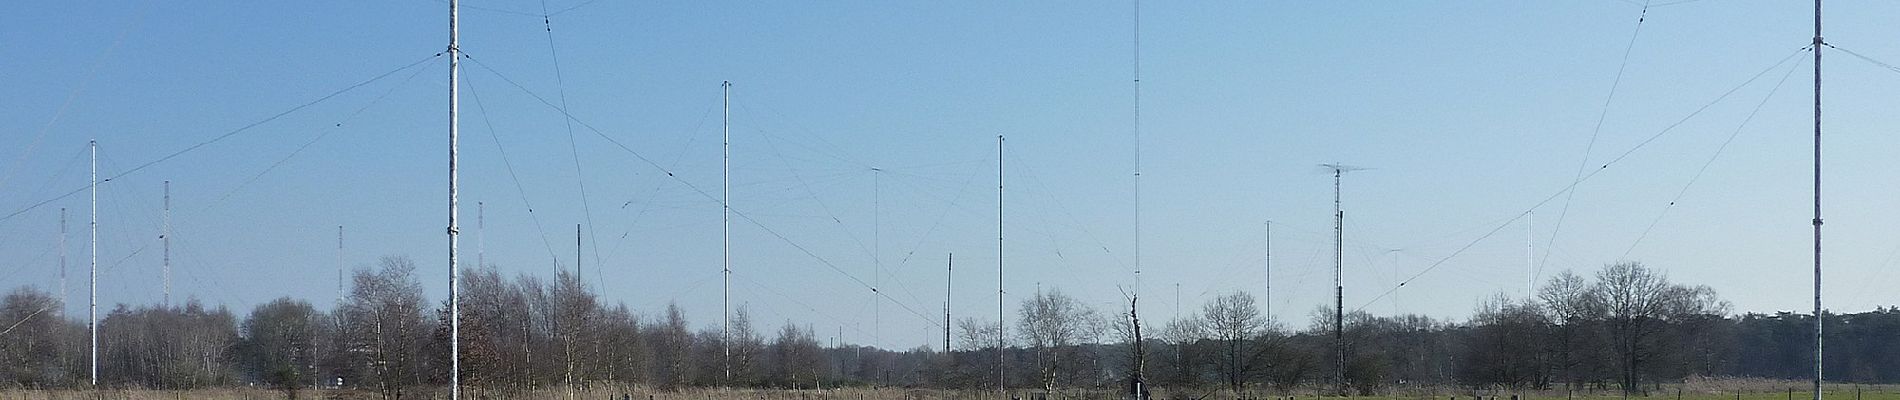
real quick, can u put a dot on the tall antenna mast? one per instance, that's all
(877, 259)
(166, 238)
(62, 259)
(1530, 257)
(339, 264)
(455, 293)
(1001, 328)
(1818, 318)
(1137, 148)
(725, 211)
(949, 268)
(92, 309)
(1339, 288)
(481, 235)
(1266, 262)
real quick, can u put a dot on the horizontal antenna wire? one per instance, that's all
(306, 145)
(224, 136)
(1586, 177)
(702, 192)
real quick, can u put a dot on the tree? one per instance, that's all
(383, 327)
(748, 350)
(1232, 320)
(796, 357)
(1052, 323)
(1576, 309)
(672, 349)
(1505, 345)
(1639, 303)
(279, 344)
(37, 342)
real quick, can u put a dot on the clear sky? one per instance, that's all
(863, 134)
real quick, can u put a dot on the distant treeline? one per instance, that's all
(1624, 327)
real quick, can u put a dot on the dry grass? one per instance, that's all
(1694, 389)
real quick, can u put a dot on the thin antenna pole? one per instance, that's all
(1339, 288)
(1530, 257)
(1177, 301)
(481, 235)
(949, 269)
(877, 261)
(577, 253)
(1818, 317)
(725, 211)
(339, 264)
(92, 313)
(166, 238)
(62, 259)
(455, 292)
(1137, 147)
(1001, 328)
(1266, 262)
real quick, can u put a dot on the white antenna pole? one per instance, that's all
(725, 211)
(1530, 258)
(339, 264)
(877, 262)
(455, 294)
(92, 318)
(1137, 148)
(1001, 328)
(481, 235)
(1818, 318)
(166, 237)
(1266, 262)
(62, 259)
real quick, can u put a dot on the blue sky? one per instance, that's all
(863, 134)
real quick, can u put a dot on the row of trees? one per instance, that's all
(1626, 327)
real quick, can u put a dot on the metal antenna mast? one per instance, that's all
(62, 259)
(1001, 328)
(725, 210)
(1339, 288)
(1137, 148)
(1818, 318)
(92, 309)
(166, 238)
(1266, 262)
(455, 293)
(877, 259)
(949, 268)
(481, 235)
(339, 264)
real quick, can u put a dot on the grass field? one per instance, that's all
(1731, 389)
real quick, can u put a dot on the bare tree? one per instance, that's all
(1575, 307)
(383, 326)
(1505, 346)
(1636, 302)
(1233, 320)
(1052, 323)
(672, 349)
(796, 358)
(37, 342)
(748, 350)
